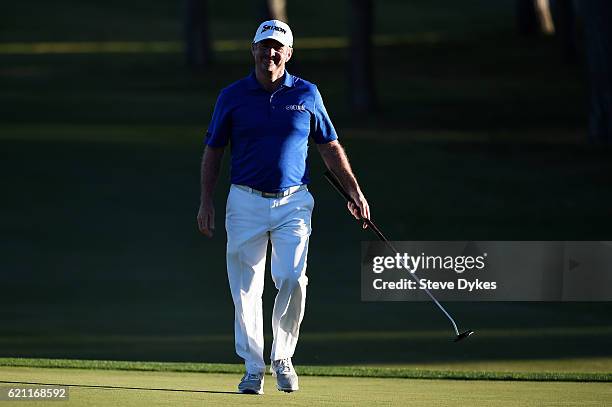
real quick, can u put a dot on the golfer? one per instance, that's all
(268, 119)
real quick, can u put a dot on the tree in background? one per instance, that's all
(363, 97)
(549, 17)
(198, 48)
(534, 17)
(274, 10)
(597, 17)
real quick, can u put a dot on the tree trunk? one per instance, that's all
(363, 99)
(274, 10)
(198, 49)
(544, 16)
(597, 15)
(534, 17)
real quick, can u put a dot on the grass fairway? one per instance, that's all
(138, 388)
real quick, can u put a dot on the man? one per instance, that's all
(268, 118)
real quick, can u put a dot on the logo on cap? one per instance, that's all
(273, 27)
(276, 30)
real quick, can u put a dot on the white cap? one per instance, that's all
(276, 30)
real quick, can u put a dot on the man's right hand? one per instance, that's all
(359, 207)
(206, 219)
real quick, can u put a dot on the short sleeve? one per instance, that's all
(219, 129)
(321, 128)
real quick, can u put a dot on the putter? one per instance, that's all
(338, 187)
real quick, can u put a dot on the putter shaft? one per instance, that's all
(338, 187)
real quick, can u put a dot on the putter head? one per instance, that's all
(463, 335)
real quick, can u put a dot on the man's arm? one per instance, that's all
(337, 162)
(211, 164)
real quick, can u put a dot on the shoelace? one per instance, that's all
(283, 366)
(251, 376)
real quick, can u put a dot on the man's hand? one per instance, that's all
(360, 208)
(206, 219)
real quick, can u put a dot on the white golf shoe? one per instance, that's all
(252, 383)
(286, 378)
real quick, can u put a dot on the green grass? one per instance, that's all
(335, 371)
(118, 254)
(479, 135)
(137, 388)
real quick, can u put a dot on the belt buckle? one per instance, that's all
(269, 194)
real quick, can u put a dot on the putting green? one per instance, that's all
(134, 388)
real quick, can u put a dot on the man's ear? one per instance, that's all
(253, 50)
(289, 54)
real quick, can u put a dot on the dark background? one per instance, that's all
(479, 133)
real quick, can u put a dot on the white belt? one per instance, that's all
(287, 192)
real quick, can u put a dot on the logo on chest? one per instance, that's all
(295, 107)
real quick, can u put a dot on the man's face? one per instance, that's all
(270, 55)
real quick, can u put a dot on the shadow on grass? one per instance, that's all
(93, 386)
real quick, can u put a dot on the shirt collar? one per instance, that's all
(288, 81)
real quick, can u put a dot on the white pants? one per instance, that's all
(251, 221)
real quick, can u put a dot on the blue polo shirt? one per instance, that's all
(269, 132)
